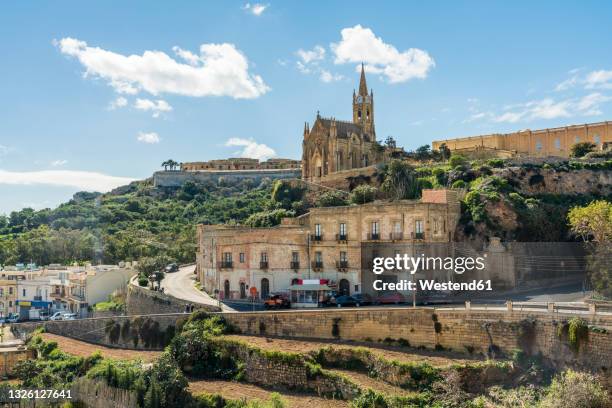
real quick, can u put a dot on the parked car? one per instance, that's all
(390, 298)
(172, 268)
(57, 316)
(70, 316)
(277, 301)
(346, 301)
(362, 298)
(12, 318)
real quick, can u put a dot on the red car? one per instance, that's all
(390, 298)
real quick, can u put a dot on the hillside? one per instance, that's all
(129, 222)
(525, 201)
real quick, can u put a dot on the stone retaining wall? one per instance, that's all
(469, 331)
(143, 301)
(178, 178)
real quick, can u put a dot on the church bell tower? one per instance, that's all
(363, 106)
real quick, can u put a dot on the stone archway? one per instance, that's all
(242, 290)
(344, 287)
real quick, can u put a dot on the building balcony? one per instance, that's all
(317, 266)
(263, 265)
(295, 265)
(373, 236)
(342, 266)
(396, 236)
(418, 235)
(341, 237)
(317, 238)
(225, 265)
(37, 297)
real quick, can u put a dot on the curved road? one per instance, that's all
(181, 285)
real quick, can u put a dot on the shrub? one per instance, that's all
(331, 199)
(581, 149)
(495, 163)
(575, 390)
(268, 218)
(458, 184)
(457, 160)
(363, 194)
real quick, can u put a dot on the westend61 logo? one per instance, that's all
(413, 265)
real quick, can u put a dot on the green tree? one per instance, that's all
(593, 223)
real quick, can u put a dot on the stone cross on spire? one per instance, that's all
(363, 87)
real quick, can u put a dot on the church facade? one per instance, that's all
(332, 145)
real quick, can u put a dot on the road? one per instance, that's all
(181, 285)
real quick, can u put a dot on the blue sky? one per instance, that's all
(94, 94)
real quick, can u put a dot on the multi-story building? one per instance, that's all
(93, 285)
(241, 163)
(8, 290)
(333, 243)
(535, 143)
(34, 293)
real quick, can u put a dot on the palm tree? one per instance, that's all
(165, 165)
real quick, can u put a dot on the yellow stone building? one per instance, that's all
(533, 143)
(327, 243)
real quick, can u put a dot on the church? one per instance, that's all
(332, 145)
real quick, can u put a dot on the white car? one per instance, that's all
(70, 316)
(57, 316)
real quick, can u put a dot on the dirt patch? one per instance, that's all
(236, 391)
(83, 349)
(436, 359)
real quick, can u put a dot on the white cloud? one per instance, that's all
(327, 76)
(84, 180)
(156, 107)
(308, 56)
(218, 70)
(150, 138)
(4, 150)
(251, 148)
(308, 63)
(58, 163)
(359, 44)
(599, 79)
(256, 9)
(120, 102)
(548, 108)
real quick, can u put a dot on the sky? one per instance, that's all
(94, 95)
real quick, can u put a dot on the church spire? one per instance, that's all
(363, 87)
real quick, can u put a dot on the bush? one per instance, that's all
(331, 199)
(458, 184)
(457, 160)
(363, 194)
(268, 218)
(581, 149)
(575, 390)
(496, 163)
(142, 281)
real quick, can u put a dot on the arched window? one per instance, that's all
(538, 145)
(597, 139)
(557, 144)
(242, 290)
(265, 288)
(344, 287)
